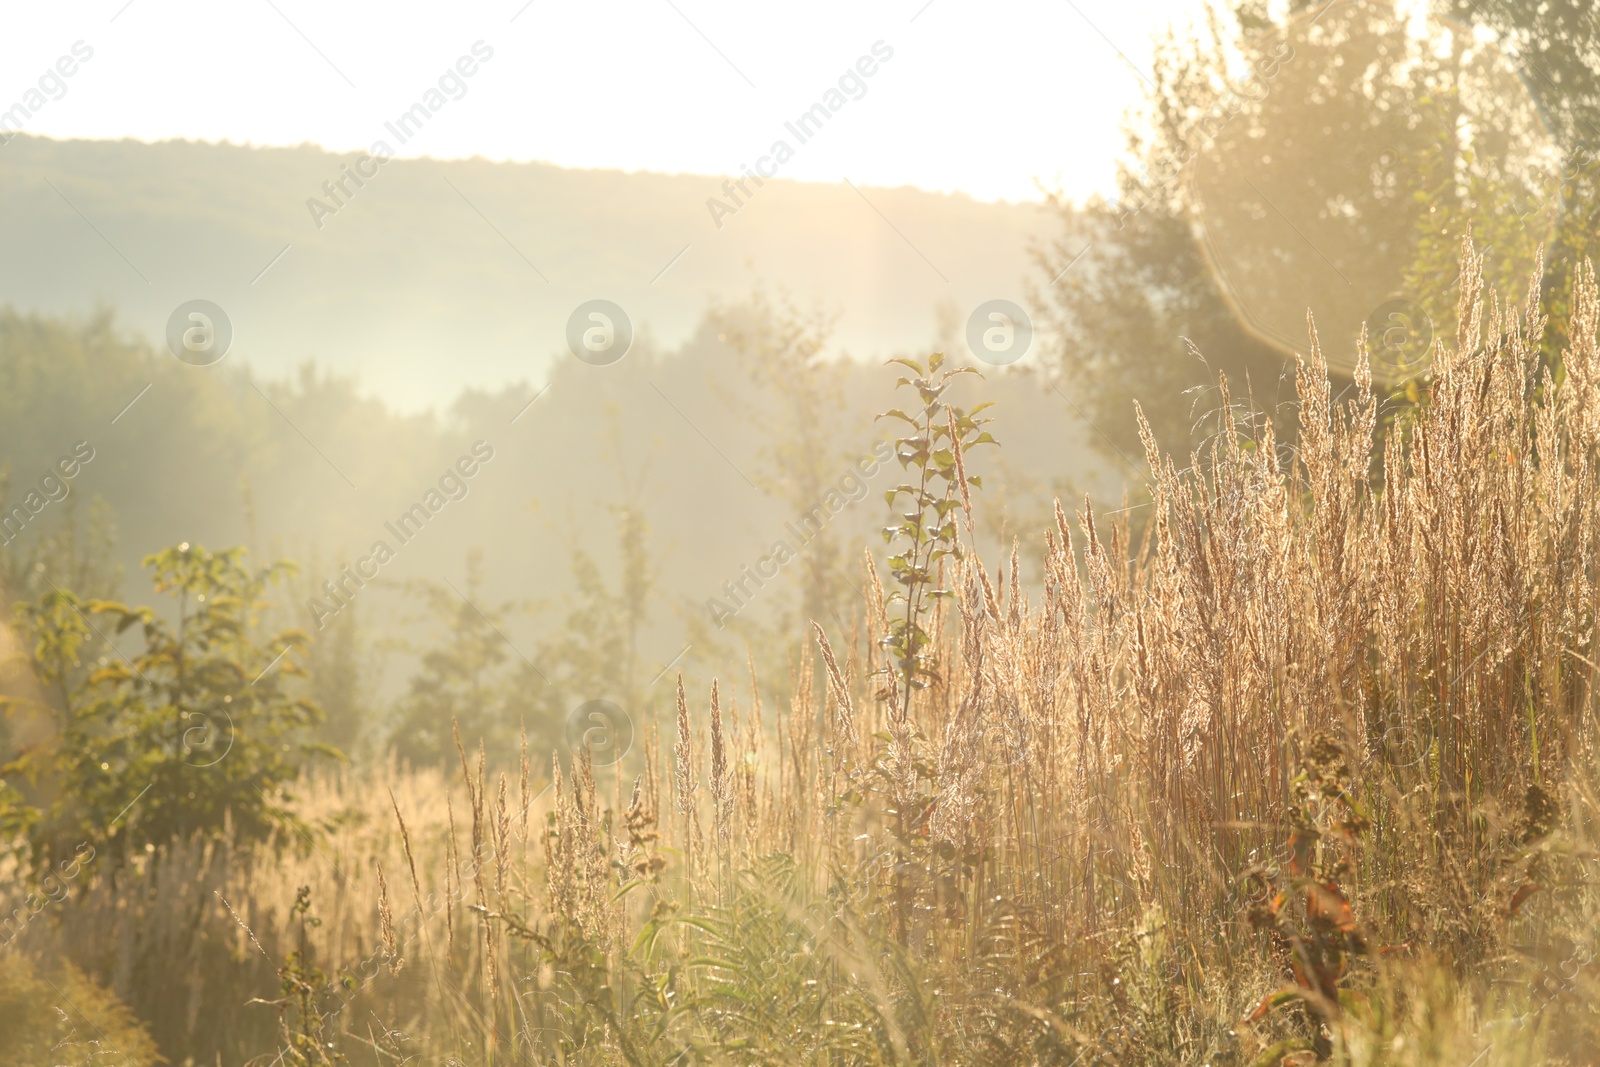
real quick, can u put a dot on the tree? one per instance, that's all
(76, 554)
(785, 352)
(338, 679)
(1326, 159)
(461, 680)
(1556, 46)
(1139, 318)
(340, 663)
(73, 554)
(1364, 148)
(1137, 314)
(593, 654)
(1557, 42)
(196, 731)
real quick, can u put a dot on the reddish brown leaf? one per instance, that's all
(1273, 1001)
(1524, 891)
(1328, 902)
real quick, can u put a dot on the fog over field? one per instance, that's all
(664, 533)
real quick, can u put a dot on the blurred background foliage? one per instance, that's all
(1323, 155)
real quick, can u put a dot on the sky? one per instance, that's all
(993, 98)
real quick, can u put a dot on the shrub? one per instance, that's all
(194, 731)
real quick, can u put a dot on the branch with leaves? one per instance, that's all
(931, 454)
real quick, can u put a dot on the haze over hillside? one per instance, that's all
(690, 440)
(434, 276)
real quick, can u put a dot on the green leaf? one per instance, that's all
(1274, 1055)
(627, 887)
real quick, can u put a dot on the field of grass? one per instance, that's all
(1293, 761)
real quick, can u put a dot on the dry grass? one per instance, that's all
(1397, 624)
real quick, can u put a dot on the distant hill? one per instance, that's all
(434, 276)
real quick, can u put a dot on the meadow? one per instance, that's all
(1290, 759)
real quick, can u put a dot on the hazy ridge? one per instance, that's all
(484, 261)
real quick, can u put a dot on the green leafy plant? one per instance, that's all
(931, 453)
(462, 673)
(302, 1024)
(773, 974)
(193, 731)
